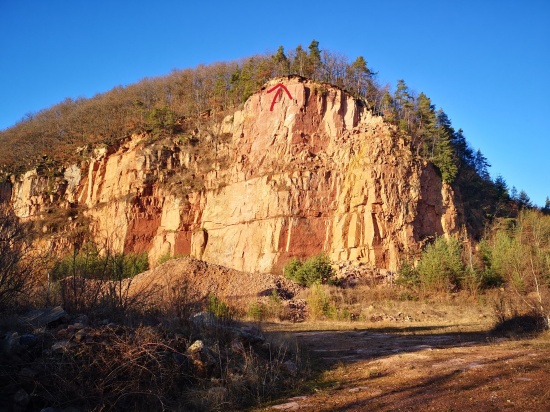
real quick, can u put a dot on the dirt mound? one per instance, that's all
(198, 279)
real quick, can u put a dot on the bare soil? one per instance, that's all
(403, 356)
(402, 367)
(200, 279)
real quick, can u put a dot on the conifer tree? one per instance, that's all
(444, 155)
(464, 153)
(425, 132)
(404, 105)
(524, 202)
(282, 63)
(501, 188)
(546, 208)
(482, 166)
(313, 60)
(361, 75)
(387, 107)
(298, 65)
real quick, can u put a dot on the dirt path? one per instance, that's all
(422, 369)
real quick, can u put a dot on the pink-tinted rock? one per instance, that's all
(318, 173)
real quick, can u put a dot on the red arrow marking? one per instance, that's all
(280, 88)
(279, 92)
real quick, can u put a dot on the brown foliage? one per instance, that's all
(19, 267)
(57, 132)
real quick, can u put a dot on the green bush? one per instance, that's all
(272, 309)
(90, 263)
(408, 275)
(316, 269)
(98, 281)
(518, 252)
(319, 303)
(441, 267)
(217, 307)
(491, 276)
(257, 311)
(168, 256)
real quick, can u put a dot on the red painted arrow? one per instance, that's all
(279, 87)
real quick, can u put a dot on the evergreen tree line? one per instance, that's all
(184, 100)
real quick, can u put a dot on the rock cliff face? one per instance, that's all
(294, 173)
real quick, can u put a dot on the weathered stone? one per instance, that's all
(317, 173)
(80, 335)
(195, 347)
(247, 335)
(43, 317)
(201, 358)
(202, 319)
(81, 319)
(290, 367)
(63, 345)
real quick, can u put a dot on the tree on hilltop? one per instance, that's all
(298, 65)
(313, 60)
(546, 208)
(281, 61)
(361, 76)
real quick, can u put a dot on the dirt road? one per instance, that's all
(422, 369)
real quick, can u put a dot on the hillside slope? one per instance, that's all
(294, 173)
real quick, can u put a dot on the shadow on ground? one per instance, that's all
(331, 347)
(420, 368)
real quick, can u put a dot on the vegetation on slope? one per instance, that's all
(185, 102)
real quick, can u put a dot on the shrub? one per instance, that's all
(165, 258)
(272, 308)
(90, 280)
(90, 263)
(18, 266)
(217, 307)
(257, 311)
(441, 266)
(490, 275)
(316, 269)
(519, 253)
(408, 275)
(319, 303)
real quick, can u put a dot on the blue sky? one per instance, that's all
(485, 62)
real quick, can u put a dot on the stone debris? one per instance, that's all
(44, 317)
(351, 274)
(63, 345)
(221, 343)
(291, 368)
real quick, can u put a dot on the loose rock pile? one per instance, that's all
(351, 274)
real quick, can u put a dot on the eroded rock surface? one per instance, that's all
(315, 172)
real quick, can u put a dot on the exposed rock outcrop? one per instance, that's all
(285, 176)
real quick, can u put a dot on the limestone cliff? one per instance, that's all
(294, 173)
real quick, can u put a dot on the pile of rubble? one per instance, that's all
(352, 274)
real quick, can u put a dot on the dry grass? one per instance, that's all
(151, 366)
